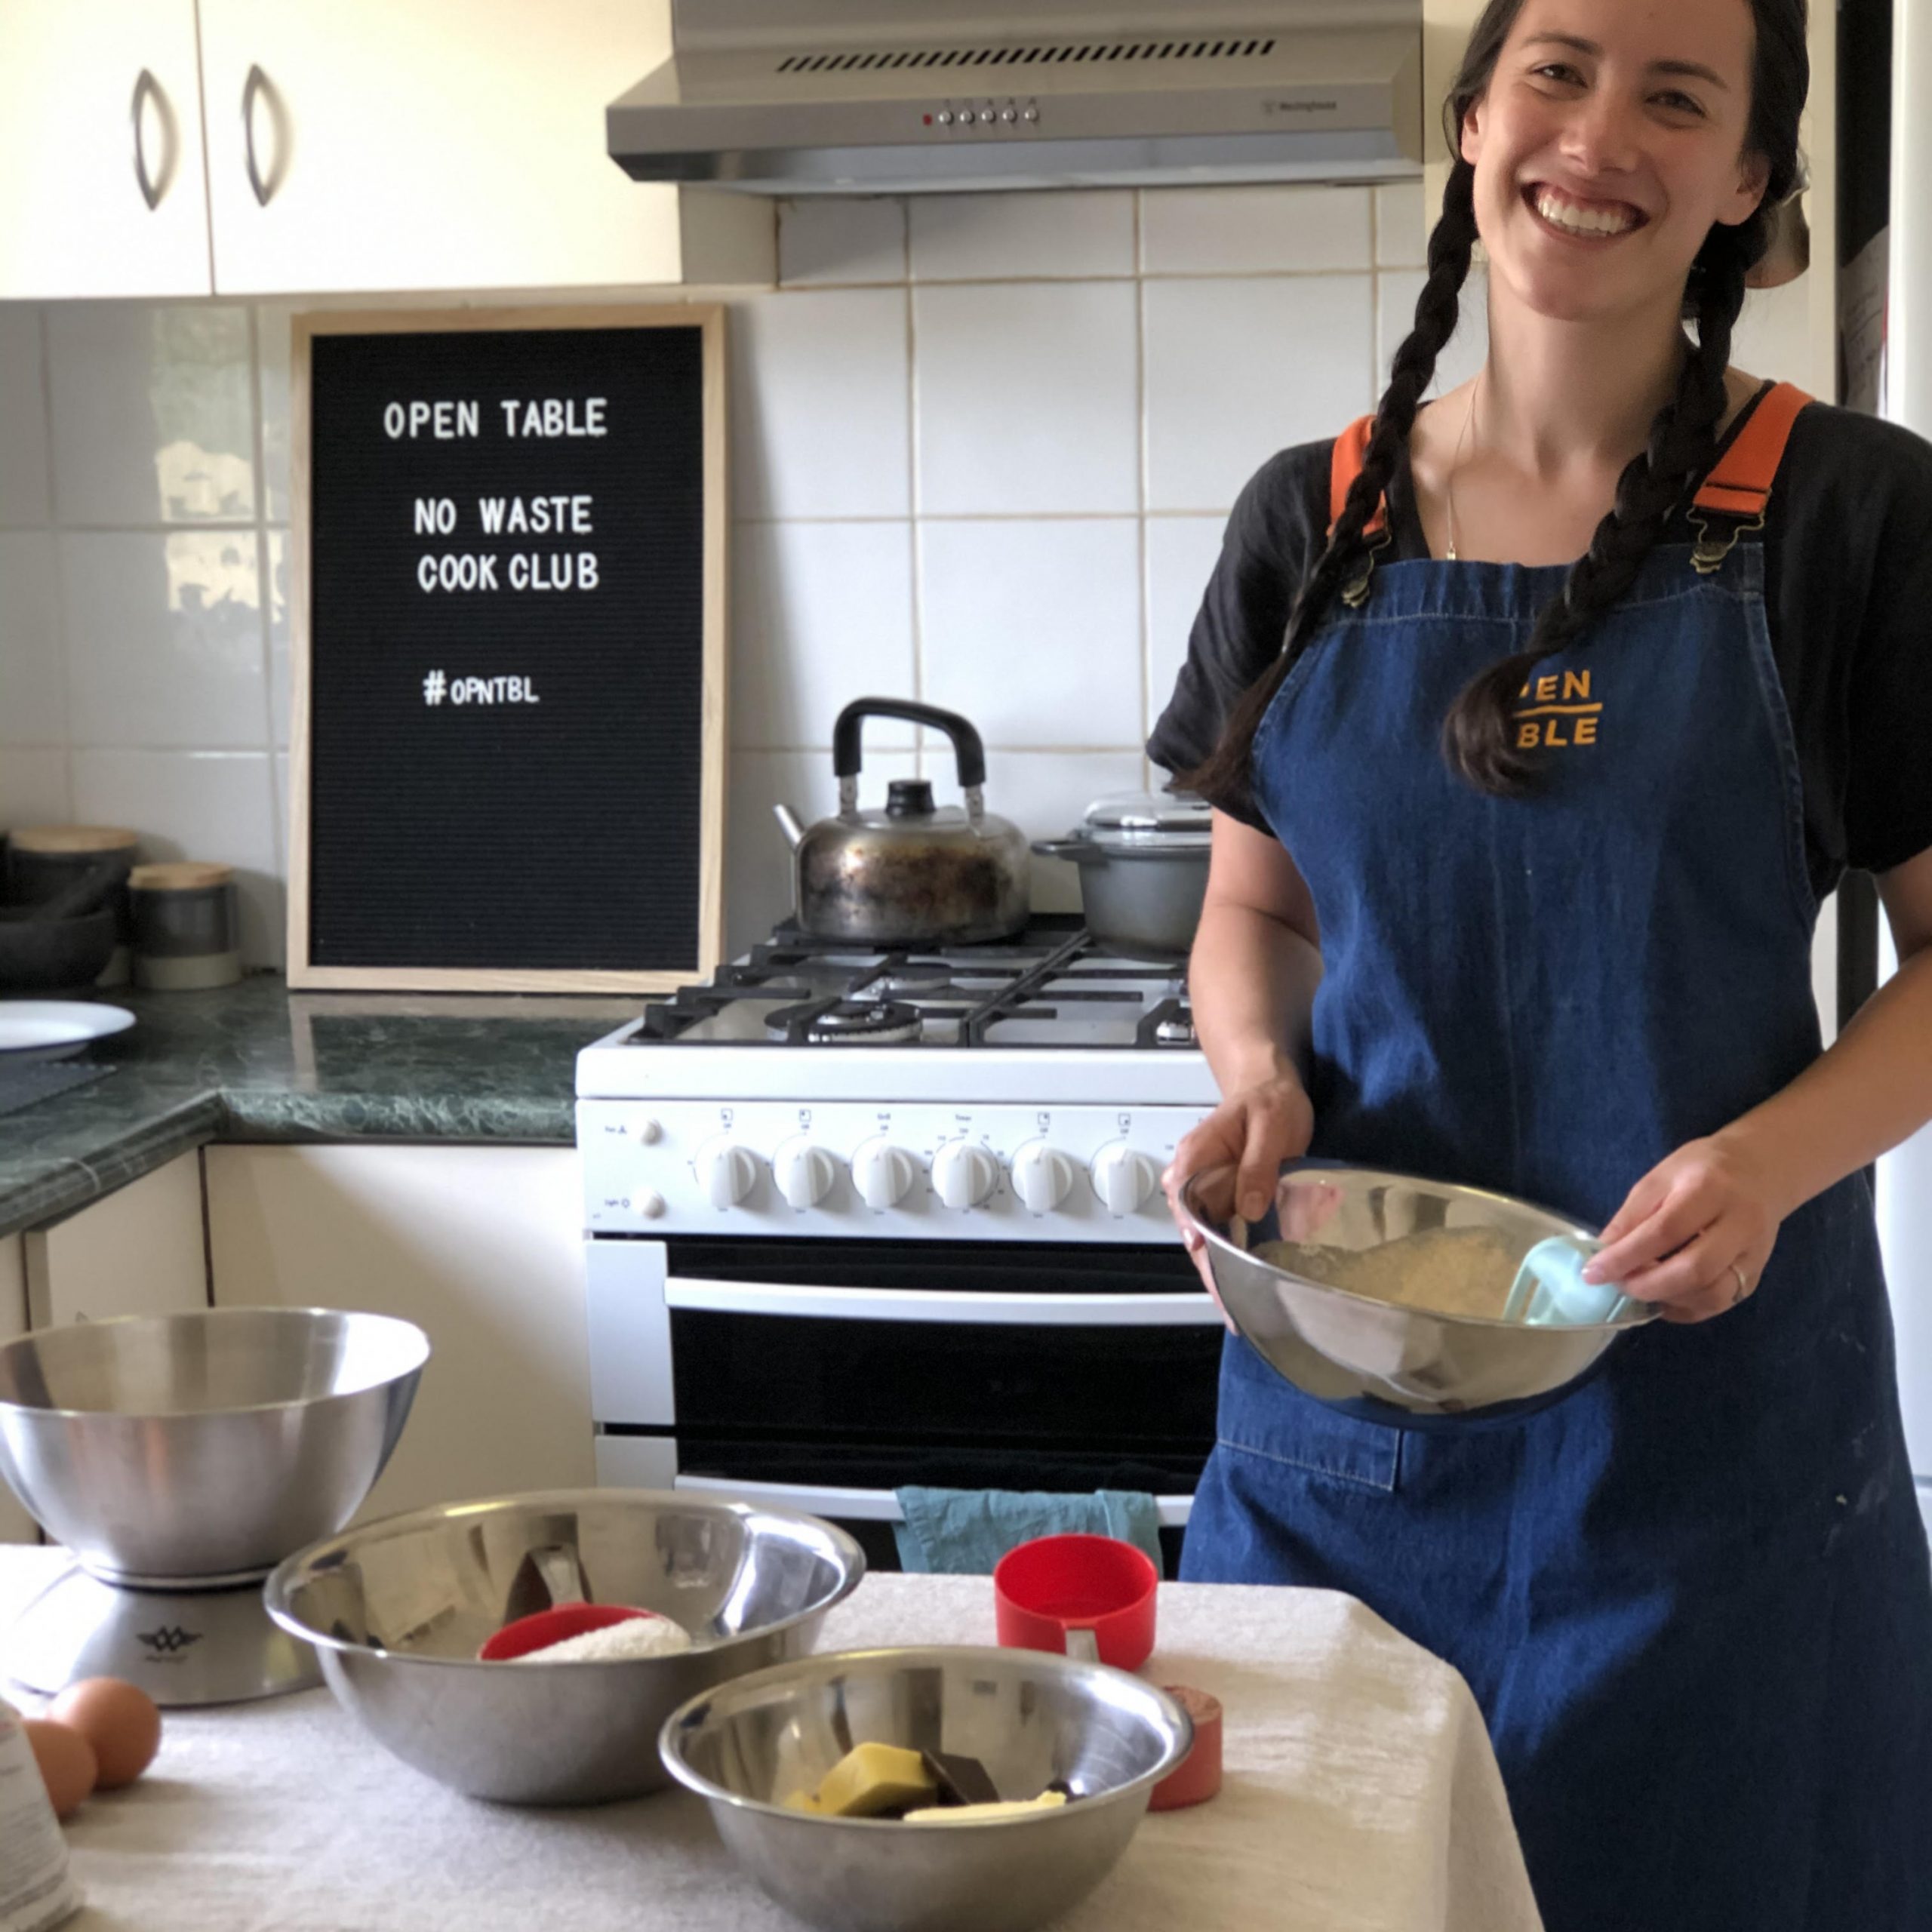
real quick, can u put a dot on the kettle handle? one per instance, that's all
(970, 753)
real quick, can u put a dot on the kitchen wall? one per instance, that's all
(983, 448)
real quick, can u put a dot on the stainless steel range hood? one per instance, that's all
(843, 97)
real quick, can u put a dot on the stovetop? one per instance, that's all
(1050, 987)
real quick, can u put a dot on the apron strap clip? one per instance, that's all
(1711, 548)
(1355, 593)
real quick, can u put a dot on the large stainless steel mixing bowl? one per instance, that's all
(397, 1610)
(1371, 1357)
(186, 1451)
(1030, 1717)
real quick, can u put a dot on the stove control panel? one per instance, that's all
(996, 1172)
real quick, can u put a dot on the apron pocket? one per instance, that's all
(1263, 1415)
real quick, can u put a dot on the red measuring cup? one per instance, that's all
(1049, 1594)
(552, 1627)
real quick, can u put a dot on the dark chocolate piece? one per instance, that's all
(962, 1780)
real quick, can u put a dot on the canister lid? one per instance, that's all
(73, 838)
(183, 876)
(1165, 820)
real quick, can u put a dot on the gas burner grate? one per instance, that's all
(846, 1023)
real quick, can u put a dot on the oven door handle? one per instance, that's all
(859, 1506)
(1188, 1308)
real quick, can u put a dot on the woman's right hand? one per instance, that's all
(1245, 1141)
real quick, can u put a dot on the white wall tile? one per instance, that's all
(1401, 225)
(33, 704)
(164, 638)
(822, 613)
(758, 861)
(271, 350)
(1238, 369)
(1026, 398)
(977, 237)
(1047, 793)
(23, 492)
(33, 787)
(1395, 311)
(1032, 630)
(819, 405)
(1182, 552)
(153, 413)
(1241, 231)
(210, 805)
(829, 239)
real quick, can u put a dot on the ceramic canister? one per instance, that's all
(43, 859)
(187, 931)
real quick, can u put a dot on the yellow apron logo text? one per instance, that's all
(1557, 711)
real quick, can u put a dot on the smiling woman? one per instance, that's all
(1538, 720)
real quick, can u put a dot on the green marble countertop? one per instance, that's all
(255, 1062)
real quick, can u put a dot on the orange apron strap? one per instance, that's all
(1344, 465)
(1741, 484)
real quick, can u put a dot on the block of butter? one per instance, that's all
(986, 1814)
(869, 1779)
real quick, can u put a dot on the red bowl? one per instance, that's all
(552, 1626)
(1045, 1588)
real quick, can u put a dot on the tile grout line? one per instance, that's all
(914, 550)
(265, 591)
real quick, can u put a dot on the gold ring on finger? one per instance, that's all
(1743, 1286)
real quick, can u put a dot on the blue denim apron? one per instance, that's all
(1692, 1597)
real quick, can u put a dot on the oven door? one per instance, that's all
(832, 1373)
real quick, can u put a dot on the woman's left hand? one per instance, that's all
(1694, 1234)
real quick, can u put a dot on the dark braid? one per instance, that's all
(1681, 446)
(1476, 736)
(1225, 771)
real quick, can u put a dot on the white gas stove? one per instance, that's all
(856, 1220)
(1031, 1090)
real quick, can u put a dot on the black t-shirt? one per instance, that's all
(1848, 595)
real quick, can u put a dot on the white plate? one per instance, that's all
(52, 1029)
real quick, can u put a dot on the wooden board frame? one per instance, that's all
(709, 317)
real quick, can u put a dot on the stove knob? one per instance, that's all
(726, 1172)
(964, 1176)
(1122, 1178)
(1041, 1176)
(882, 1174)
(804, 1173)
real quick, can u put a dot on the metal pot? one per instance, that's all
(913, 874)
(1143, 858)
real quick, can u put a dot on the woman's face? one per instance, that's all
(1609, 139)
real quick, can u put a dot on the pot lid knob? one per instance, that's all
(909, 798)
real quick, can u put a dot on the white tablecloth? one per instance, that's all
(1359, 1795)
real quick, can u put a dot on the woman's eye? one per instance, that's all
(1558, 70)
(1679, 103)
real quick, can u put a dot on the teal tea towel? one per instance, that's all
(965, 1532)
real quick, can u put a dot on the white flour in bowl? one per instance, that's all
(635, 1637)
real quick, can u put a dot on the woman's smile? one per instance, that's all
(1581, 218)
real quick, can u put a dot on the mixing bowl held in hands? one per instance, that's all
(1402, 1299)
(1030, 1719)
(398, 1609)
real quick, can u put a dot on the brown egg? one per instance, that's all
(119, 1720)
(66, 1762)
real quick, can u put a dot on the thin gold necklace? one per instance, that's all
(1456, 463)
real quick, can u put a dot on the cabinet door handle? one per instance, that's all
(152, 186)
(257, 83)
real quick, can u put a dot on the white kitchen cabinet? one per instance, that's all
(99, 115)
(480, 1247)
(16, 1525)
(138, 1250)
(435, 144)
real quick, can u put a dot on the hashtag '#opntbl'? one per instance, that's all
(434, 685)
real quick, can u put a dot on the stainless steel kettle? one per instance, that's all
(911, 874)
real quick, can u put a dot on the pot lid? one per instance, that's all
(1174, 819)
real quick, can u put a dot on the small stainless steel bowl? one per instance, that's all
(1372, 1357)
(1029, 1717)
(202, 1448)
(396, 1610)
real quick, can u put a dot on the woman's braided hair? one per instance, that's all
(1681, 449)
